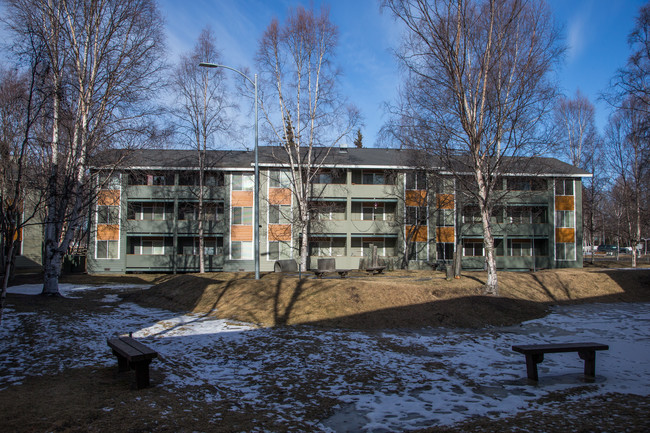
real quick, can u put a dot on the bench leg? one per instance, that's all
(122, 363)
(589, 356)
(531, 365)
(142, 374)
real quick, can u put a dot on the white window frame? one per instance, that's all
(97, 241)
(247, 181)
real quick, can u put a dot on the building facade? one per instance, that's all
(145, 218)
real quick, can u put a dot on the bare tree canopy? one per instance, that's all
(577, 136)
(477, 88)
(300, 100)
(201, 110)
(103, 60)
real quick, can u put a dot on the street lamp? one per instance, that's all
(256, 214)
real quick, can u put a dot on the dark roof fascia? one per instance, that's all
(370, 158)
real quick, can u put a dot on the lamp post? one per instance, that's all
(256, 196)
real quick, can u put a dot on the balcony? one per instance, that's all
(166, 262)
(169, 193)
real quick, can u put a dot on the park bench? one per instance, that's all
(132, 354)
(328, 266)
(535, 354)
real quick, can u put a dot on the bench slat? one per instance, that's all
(131, 349)
(558, 348)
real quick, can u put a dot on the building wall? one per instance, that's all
(359, 215)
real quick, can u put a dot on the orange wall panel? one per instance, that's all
(109, 198)
(564, 202)
(241, 198)
(241, 233)
(416, 198)
(420, 235)
(279, 196)
(108, 232)
(445, 234)
(565, 235)
(279, 232)
(445, 201)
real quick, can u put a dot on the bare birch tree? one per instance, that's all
(577, 134)
(201, 110)
(629, 153)
(103, 58)
(477, 89)
(580, 144)
(300, 102)
(19, 198)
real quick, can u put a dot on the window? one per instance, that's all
(497, 215)
(279, 179)
(565, 251)
(279, 214)
(109, 180)
(382, 177)
(472, 214)
(153, 211)
(416, 180)
(212, 211)
(499, 251)
(190, 246)
(143, 211)
(240, 250)
(446, 186)
(279, 250)
(418, 251)
(188, 179)
(539, 214)
(372, 211)
(519, 247)
(243, 182)
(328, 211)
(527, 214)
(473, 247)
(445, 250)
(107, 249)
(152, 246)
(416, 215)
(108, 215)
(564, 187)
(564, 218)
(330, 177)
(242, 216)
(445, 218)
(214, 179)
(526, 184)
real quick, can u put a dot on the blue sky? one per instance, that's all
(595, 32)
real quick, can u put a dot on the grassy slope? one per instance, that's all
(399, 299)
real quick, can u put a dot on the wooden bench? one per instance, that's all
(328, 266)
(375, 270)
(132, 354)
(535, 354)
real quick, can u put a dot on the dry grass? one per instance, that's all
(399, 299)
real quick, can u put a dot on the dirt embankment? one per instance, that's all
(399, 299)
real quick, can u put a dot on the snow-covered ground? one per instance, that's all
(382, 380)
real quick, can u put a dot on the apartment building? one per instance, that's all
(145, 218)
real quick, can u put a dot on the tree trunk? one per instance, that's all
(5, 280)
(51, 270)
(201, 213)
(304, 247)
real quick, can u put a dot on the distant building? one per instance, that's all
(145, 217)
